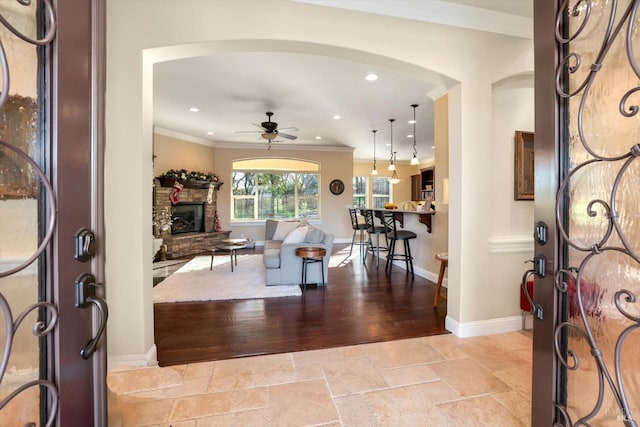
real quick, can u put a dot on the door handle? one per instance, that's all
(85, 298)
(539, 269)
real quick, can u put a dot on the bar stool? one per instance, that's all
(393, 235)
(358, 226)
(444, 263)
(372, 228)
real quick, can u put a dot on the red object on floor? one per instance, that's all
(524, 301)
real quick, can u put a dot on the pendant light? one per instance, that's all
(414, 159)
(392, 165)
(394, 176)
(374, 171)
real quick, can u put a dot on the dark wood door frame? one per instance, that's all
(548, 128)
(77, 60)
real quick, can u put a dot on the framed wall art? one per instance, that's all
(524, 183)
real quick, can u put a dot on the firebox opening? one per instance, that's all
(187, 218)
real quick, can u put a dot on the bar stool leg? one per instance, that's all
(436, 299)
(408, 257)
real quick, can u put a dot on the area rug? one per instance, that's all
(194, 281)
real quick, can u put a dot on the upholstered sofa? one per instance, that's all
(282, 238)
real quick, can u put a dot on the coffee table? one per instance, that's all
(231, 246)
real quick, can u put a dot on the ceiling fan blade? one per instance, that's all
(286, 135)
(290, 128)
(249, 131)
(258, 126)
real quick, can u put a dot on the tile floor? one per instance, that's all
(436, 381)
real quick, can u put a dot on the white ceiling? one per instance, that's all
(234, 90)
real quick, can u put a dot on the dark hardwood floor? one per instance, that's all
(359, 305)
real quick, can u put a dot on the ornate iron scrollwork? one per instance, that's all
(612, 235)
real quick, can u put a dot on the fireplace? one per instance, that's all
(188, 217)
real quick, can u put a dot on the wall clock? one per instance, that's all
(336, 186)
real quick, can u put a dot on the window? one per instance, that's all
(381, 191)
(360, 191)
(273, 191)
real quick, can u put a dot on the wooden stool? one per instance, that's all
(311, 255)
(444, 263)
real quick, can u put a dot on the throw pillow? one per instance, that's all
(314, 235)
(270, 228)
(284, 228)
(296, 236)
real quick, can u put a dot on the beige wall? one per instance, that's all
(474, 59)
(174, 153)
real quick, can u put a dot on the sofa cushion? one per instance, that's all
(314, 235)
(284, 228)
(297, 235)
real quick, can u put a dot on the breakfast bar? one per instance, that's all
(423, 217)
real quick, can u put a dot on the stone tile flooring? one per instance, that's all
(432, 381)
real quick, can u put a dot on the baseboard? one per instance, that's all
(418, 271)
(148, 359)
(483, 327)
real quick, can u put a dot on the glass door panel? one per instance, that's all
(21, 223)
(600, 214)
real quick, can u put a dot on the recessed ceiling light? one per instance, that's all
(433, 146)
(336, 117)
(410, 136)
(194, 109)
(318, 137)
(411, 122)
(209, 133)
(371, 77)
(387, 144)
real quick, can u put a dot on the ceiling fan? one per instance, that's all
(269, 130)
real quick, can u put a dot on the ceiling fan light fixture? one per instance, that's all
(269, 136)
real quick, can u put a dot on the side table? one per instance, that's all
(311, 255)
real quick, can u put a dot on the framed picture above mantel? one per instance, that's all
(524, 183)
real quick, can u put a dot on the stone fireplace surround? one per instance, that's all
(187, 244)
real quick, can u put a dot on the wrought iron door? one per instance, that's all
(52, 315)
(586, 338)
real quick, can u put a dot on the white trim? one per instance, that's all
(148, 359)
(506, 244)
(483, 327)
